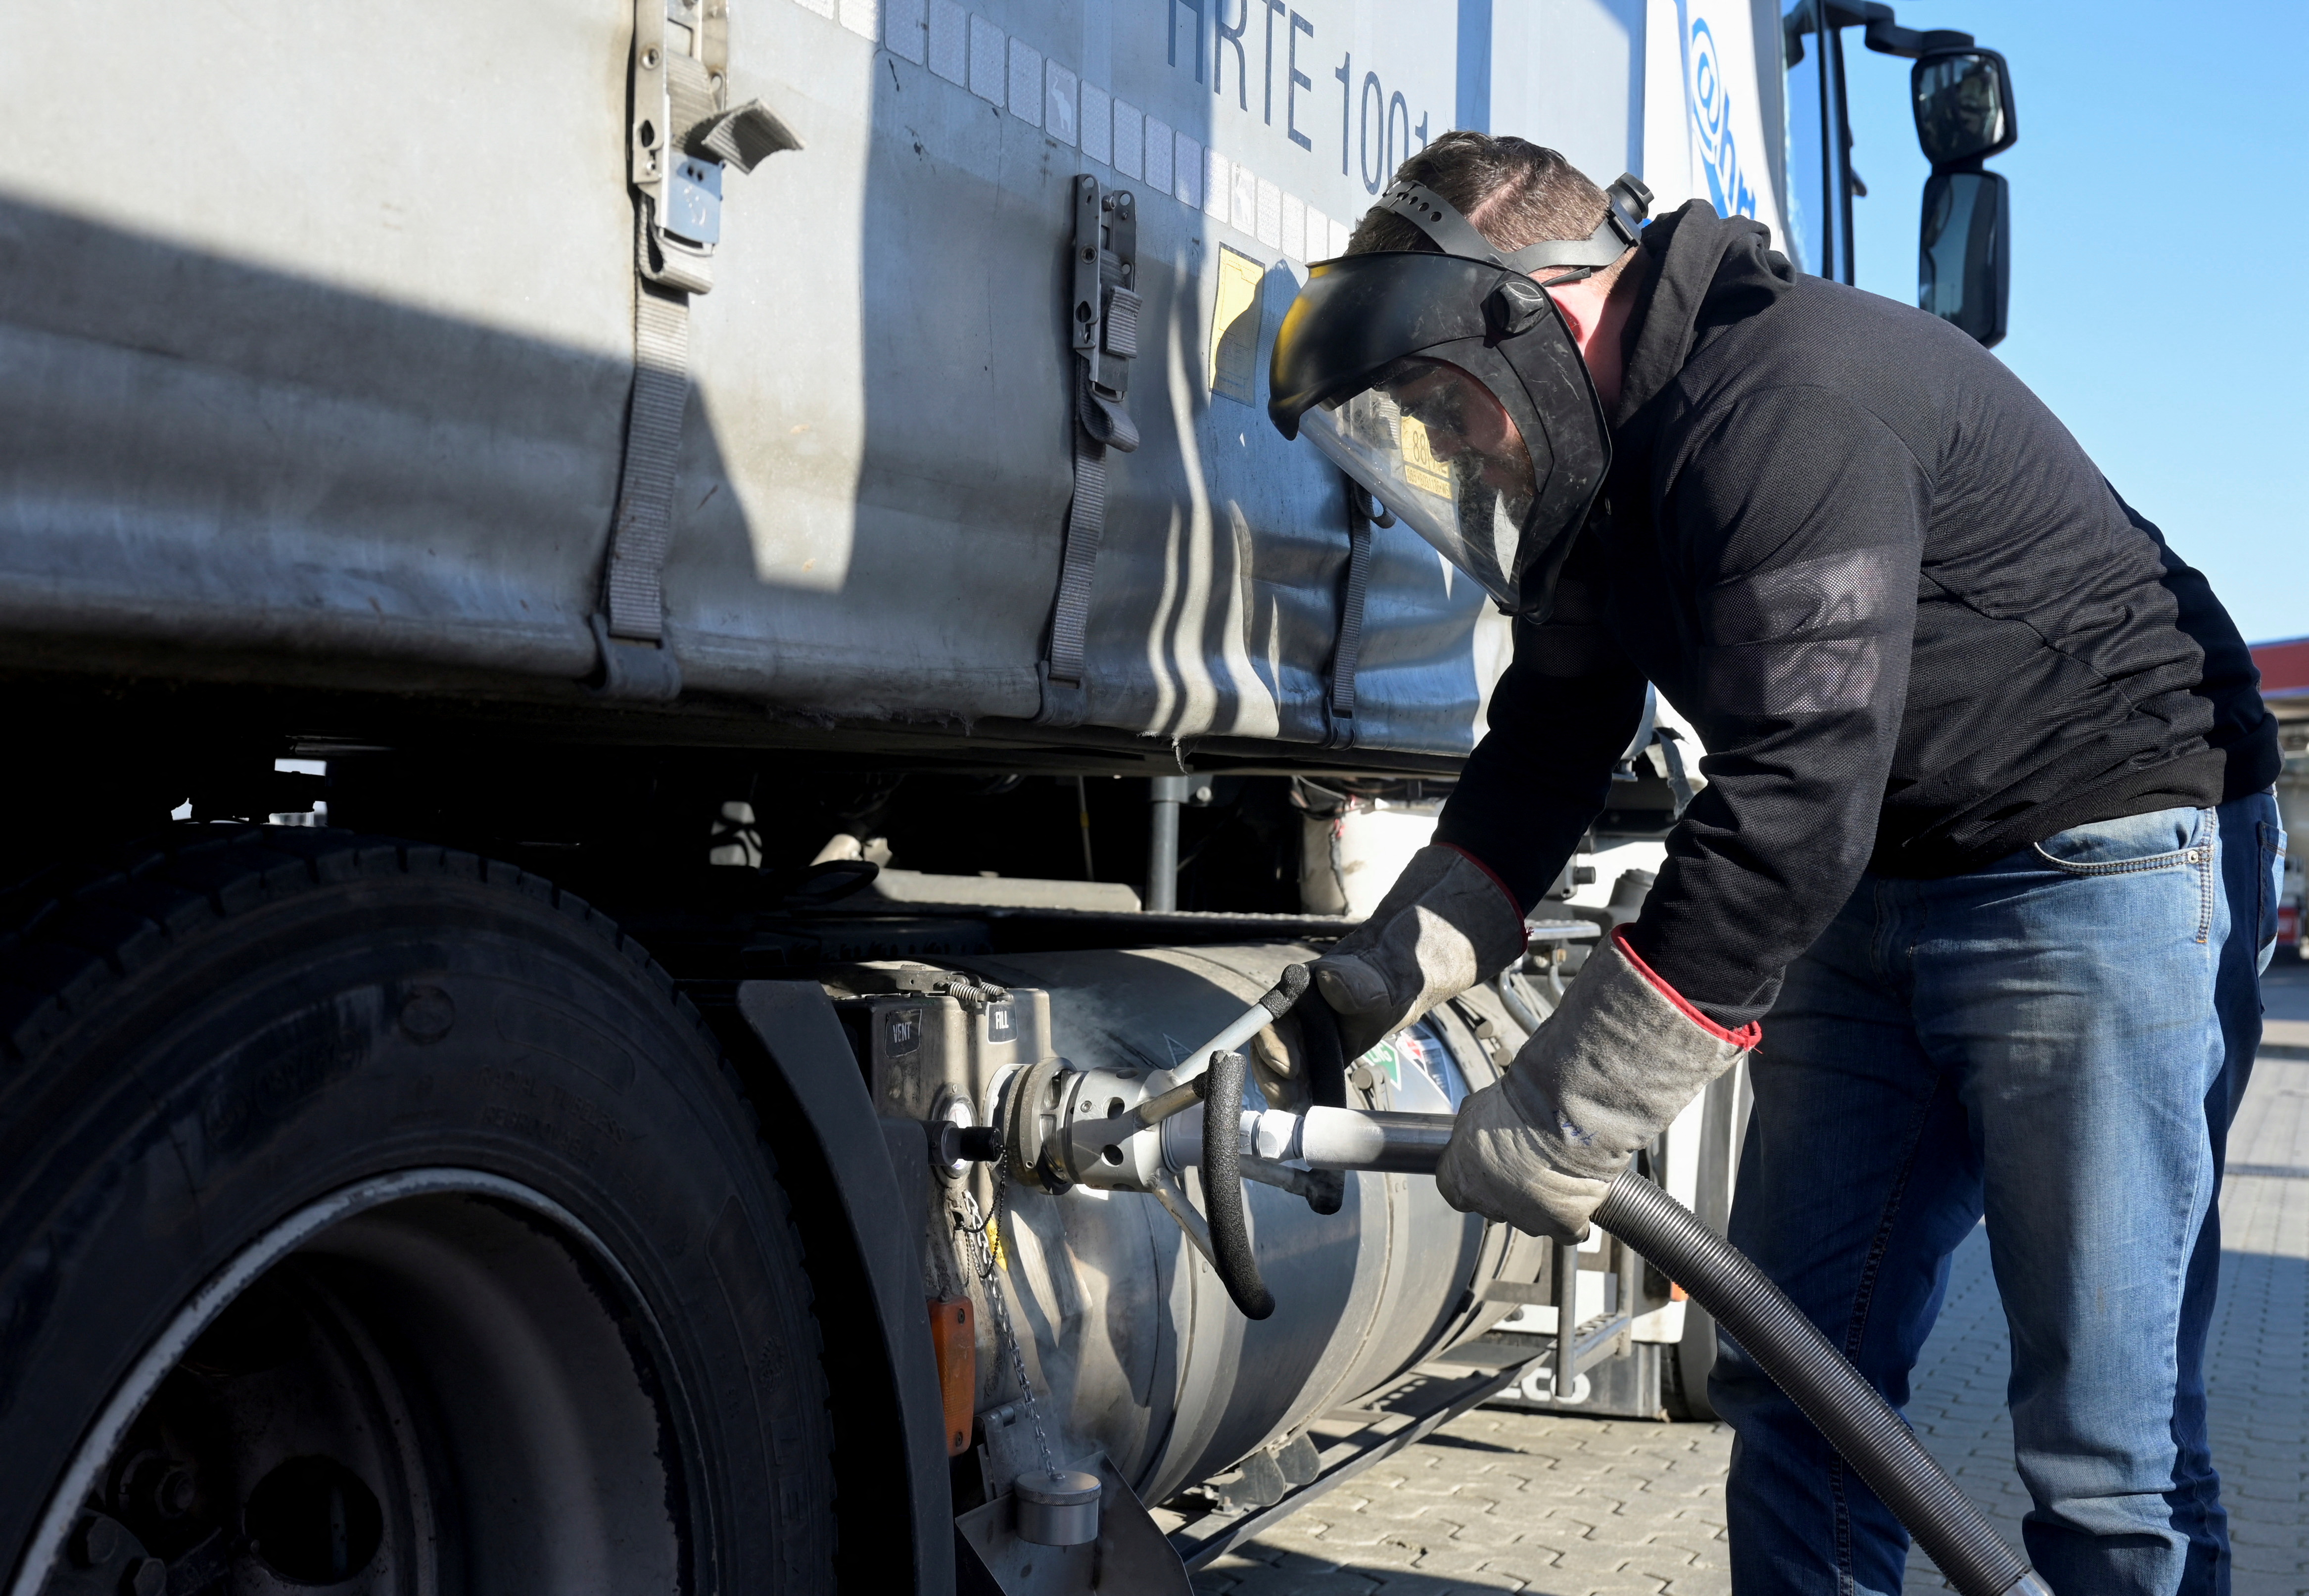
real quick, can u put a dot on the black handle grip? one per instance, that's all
(1287, 991)
(1222, 1188)
(1326, 1054)
(1327, 1078)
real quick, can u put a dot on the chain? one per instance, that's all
(982, 1260)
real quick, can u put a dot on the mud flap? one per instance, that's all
(795, 1023)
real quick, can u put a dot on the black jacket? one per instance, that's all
(1913, 625)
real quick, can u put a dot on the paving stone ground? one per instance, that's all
(1557, 1507)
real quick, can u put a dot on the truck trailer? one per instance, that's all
(659, 663)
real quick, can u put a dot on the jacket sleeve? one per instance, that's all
(1794, 532)
(1563, 714)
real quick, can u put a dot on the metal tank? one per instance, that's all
(1127, 1335)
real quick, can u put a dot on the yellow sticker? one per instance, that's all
(1235, 327)
(994, 1244)
(1423, 468)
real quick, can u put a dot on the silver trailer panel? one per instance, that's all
(317, 364)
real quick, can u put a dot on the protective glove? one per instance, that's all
(1446, 924)
(1599, 1079)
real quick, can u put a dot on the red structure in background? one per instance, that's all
(2284, 667)
(2285, 683)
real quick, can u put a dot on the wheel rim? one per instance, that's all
(435, 1368)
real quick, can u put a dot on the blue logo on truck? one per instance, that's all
(1709, 100)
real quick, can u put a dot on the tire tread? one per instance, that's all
(75, 931)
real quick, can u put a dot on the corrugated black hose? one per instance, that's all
(1849, 1413)
(1856, 1420)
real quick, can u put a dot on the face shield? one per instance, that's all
(1439, 448)
(1452, 389)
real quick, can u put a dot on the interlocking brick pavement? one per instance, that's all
(1506, 1501)
(1560, 1506)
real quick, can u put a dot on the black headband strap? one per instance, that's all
(1629, 201)
(1438, 218)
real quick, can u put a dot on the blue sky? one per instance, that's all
(2160, 275)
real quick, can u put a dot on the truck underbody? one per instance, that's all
(408, 992)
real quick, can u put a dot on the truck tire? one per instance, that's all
(379, 1215)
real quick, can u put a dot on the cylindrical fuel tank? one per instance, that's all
(1127, 1335)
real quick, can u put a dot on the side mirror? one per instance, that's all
(1964, 256)
(1963, 101)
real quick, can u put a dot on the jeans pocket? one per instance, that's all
(2160, 840)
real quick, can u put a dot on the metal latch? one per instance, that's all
(693, 201)
(683, 134)
(1105, 311)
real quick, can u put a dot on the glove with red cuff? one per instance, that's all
(1599, 1079)
(1446, 924)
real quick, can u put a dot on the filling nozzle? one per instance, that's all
(1098, 1136)
(1063, 1126)
(1322, 1139)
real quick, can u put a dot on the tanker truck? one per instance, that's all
(663, 672)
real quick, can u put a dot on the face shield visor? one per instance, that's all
(1491, 446)
(1441, 450)
(1452, 389)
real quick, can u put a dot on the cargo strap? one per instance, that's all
(680, 142)
(1104, 320)
(644, 527)
(1341, 702)
(1086, 529)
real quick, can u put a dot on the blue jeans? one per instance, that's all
(2058, 1042)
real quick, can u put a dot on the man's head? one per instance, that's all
(1517, 192)
(1456, 362)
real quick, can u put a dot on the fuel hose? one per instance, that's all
(1857, 1421)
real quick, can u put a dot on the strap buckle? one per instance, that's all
(1630, 205)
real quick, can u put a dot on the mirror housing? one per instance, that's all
(1963, 104)
(1963, 252)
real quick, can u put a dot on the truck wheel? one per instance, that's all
(376, 1216)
